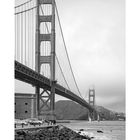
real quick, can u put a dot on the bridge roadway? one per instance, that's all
(25, 74)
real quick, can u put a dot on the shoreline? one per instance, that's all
(112, 130)
(57, 132)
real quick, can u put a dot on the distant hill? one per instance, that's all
(69, 110)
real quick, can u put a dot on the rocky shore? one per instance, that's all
(58, 132)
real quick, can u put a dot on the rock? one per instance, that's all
(99, 131)
(81, 130)
(21, 133)
(53, 133)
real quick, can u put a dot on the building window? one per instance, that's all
(26, 111)
(26, 103)
(15, 103)
(15, 111)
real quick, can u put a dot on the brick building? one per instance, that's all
(25, 105)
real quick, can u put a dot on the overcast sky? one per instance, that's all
(94, 34)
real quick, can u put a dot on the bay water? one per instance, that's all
(103, 130)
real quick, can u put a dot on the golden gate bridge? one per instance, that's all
(41, 56)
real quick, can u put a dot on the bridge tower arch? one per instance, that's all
(47, 98)
(91, 100)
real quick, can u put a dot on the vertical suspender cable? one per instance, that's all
(25, 36)
(32, 40)
(29, 37)
(22, 37)
(46, 47)
(45, 50)
(15, 38)
(33, 35)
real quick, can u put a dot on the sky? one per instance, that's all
(94, 32)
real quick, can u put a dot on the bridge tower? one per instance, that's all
(48, 100)
(92, 103)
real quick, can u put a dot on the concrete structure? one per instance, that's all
(25, 106)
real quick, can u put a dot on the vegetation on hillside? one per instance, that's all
(69, 110)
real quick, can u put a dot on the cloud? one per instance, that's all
(107, 100)
(118, 106)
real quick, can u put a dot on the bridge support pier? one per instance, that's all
(37, 91)
(91, 114)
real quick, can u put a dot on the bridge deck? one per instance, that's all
(25, 74)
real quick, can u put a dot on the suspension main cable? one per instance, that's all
(23, 4)
(26, 10)
(67, 51)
